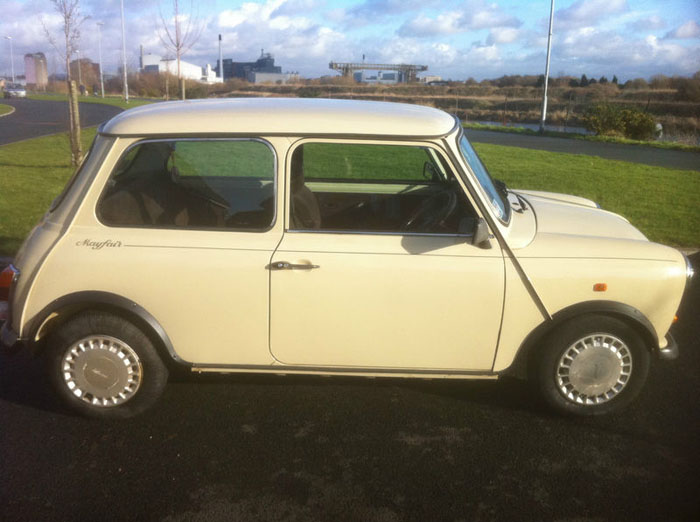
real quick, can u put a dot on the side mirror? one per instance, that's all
(481, 234)
(478, 229)
(430, 172)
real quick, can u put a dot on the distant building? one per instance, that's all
(430, 79)
(383, 77)
(262, 70)
(155, 64)
(35, 70)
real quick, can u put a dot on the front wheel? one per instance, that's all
(592, 365)
(104, 366)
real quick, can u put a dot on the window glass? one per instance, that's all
(497, 199)
(211, 184)
(374, 188)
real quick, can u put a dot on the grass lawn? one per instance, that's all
(5, 109)
(576, 136)
(661, 202)
(117, 101)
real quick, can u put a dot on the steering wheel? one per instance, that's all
(434, 210)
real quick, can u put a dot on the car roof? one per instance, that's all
(281, 116)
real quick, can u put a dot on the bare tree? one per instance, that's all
(69, 10)
(179, 35)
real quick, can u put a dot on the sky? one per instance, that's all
(455, 39)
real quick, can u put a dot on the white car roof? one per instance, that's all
(286, 116)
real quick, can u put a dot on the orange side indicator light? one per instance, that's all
(675, 319)
(600, 287)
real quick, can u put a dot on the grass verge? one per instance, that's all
(661, 202)
(575, 136)
(110, 100)
(5, 109)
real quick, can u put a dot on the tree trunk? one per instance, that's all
(75, 141)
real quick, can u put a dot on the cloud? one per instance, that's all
(649, 23)
(502, 35)
(688, 30)
(474, 15)
(585, 13)
(424, 26)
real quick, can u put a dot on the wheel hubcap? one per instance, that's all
(594, 369)
(102, 371)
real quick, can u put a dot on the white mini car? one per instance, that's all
(334, 237)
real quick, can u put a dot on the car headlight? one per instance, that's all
(689, 270)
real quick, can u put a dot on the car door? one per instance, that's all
(385, 277)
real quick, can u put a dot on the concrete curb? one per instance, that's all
(7, 113)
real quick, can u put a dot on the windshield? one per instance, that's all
(495, 197)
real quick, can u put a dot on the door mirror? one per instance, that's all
(481, 234)
(477, 229)
(430, 172)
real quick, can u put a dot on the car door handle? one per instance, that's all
(284, 265)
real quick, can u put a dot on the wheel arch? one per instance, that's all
(626, 313)
(64, 308)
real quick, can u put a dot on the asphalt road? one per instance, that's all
(295, 449)
(33, 118)
(675, 159)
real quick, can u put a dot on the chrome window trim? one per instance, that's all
(275, 169)
(457, 138)
(369, 233)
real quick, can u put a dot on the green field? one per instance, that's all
(5, 109)
(663, 203)
(117, 101)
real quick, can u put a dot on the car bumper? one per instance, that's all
(670, 352)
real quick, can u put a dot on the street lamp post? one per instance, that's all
(126, 84)
(12, 58)
(99, 49)
(80, 74)
(546, 69)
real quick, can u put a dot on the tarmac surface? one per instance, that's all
(675, 159)
(230, 448)
(33, 118)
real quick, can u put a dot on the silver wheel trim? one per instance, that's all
(594, 369)
(102, 371)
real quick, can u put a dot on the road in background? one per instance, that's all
(34, 118)
(268, 448)
(673, 159)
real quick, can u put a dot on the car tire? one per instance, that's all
(103, 366)
(591, 365)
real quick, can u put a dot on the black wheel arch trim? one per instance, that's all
(636, 318)
(90, 299)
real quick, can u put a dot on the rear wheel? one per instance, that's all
(103, 366)
(592, 365)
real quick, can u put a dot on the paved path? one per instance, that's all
(33, 118)
(676, 159)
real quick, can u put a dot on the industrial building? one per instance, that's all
(35, 71)
(386, 72)
(152, 63)
(262, 70)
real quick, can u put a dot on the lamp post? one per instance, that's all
(546, 69)
(99, 50)
(126, 84)
(80, 74)
(12, 58)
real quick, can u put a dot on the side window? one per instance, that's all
(375, 188)
(206, 184)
